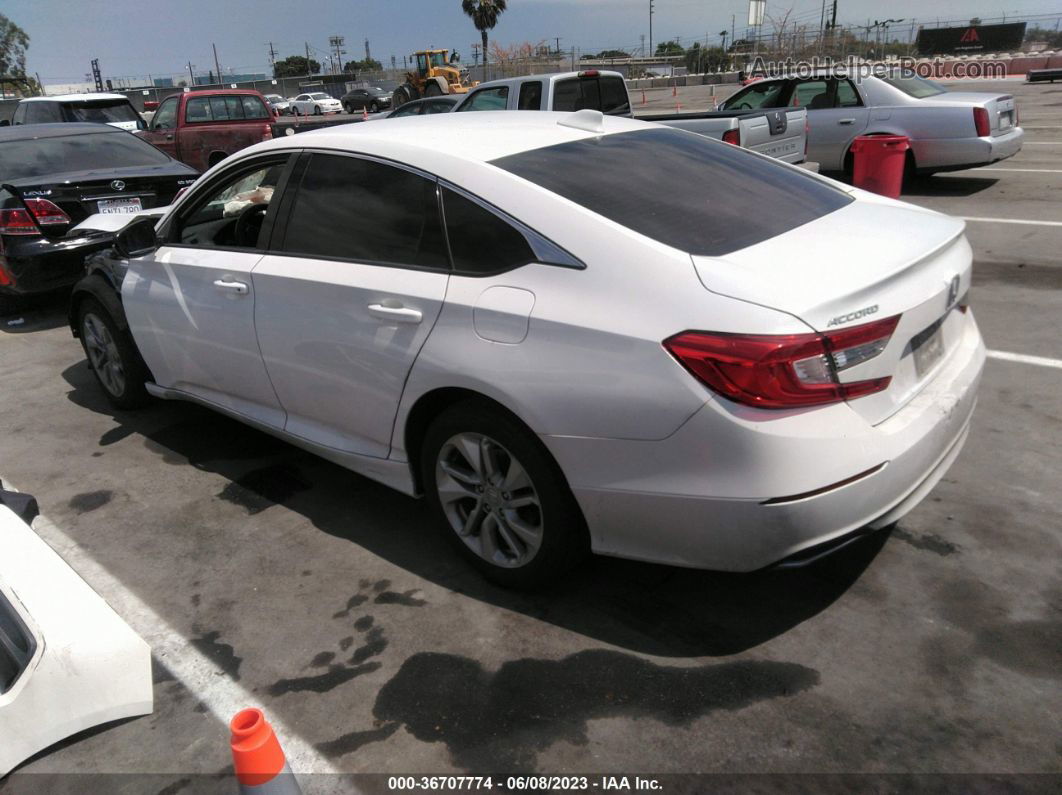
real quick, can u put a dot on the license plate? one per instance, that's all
(1006, 120)
(112, 206)
(928, 350)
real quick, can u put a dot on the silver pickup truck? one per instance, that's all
(779, 133)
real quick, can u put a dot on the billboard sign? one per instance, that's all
(971, 39)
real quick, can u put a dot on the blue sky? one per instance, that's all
(137, 37)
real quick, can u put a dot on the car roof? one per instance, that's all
(77, 98)
(478, 137)
(217, 91)
(549, 76)
(21, 132)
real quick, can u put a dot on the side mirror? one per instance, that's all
(136, 238)
(141, 124)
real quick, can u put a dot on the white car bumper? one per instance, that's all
(738, 489)
(966, 152)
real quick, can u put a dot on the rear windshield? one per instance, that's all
(915, 86)
(606, 94)
(37, 157)
(99, 112)
(679, 188)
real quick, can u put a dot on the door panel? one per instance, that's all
(338, 340)
(192, 314)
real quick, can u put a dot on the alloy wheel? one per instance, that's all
(489, 500)
(103, 353)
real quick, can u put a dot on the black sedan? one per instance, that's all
(52, 177)
(372, 99)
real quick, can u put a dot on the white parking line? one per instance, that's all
(1022, 170)
(209, 683)
(1021, 358)
(1010, 221)
(1043, 143)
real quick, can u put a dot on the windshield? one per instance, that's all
(37, 157)
(716, 198)
(915, 86)
(319, 96)
(438, 59)
(100, 112)
(606, 94)
(377, 90)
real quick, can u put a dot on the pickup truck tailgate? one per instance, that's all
(777, 133)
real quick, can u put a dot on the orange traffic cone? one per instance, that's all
(674, 89)
(364, 113)
(257, 756)
(643, 96)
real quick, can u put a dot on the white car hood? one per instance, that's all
(88, 667)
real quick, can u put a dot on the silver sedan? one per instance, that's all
(948, 130)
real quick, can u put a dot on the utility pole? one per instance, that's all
(97, 78)
(650, 28)
(475, 55)
(336, 43)
(732, 17)
(191, 75)
(368, 55)
(557, 39)
(309, 72)
(272, 57)
(642, 48)
(216, 64)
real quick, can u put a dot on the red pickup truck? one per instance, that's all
(202, 128)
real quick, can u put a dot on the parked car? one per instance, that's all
(113, 109)
(423, 107)
(315, 104)
(776, 133)
(280, 105)
(67, 661)
(373, 99)
(740, 369)
(56, 175)
(948, 130)
(202, 128)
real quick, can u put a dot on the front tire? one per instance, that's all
(114, 359)
(499, 498)
(374, 108)
(316, 110)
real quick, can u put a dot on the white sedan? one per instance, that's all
(315, 104)
(753, 365)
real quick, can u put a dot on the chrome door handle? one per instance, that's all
(397, 314)
(239, 288)
(846, 121)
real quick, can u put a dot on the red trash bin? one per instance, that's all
(878, 163)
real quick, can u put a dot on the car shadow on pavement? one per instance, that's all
(944, 185)
(646, 608)
(37, 313)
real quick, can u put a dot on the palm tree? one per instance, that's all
(484, 15)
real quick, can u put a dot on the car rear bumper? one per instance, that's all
(738, 489)
(39, 265)
(955, 153)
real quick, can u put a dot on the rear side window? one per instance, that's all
(480, 241)
(487, 99)
(531, 96)
(606, 94)
(812, 94)
(361, 210)
(253, 107)
(198, 109)
(758, 95)
(718, 198)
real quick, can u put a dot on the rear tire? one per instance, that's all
(499, 497)
(432, 89)
(115, 361)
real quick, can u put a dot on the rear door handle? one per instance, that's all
(240, 288)
(846, 121)
(396, 314)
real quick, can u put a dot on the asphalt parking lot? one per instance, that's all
(263, 575)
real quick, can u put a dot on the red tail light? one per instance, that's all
(981, 122)
(732, 137)
(776, 371)
(18, 221)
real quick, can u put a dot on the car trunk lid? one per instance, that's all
(835, 273)
(1002, 112)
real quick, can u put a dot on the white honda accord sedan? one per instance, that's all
(568, 332)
